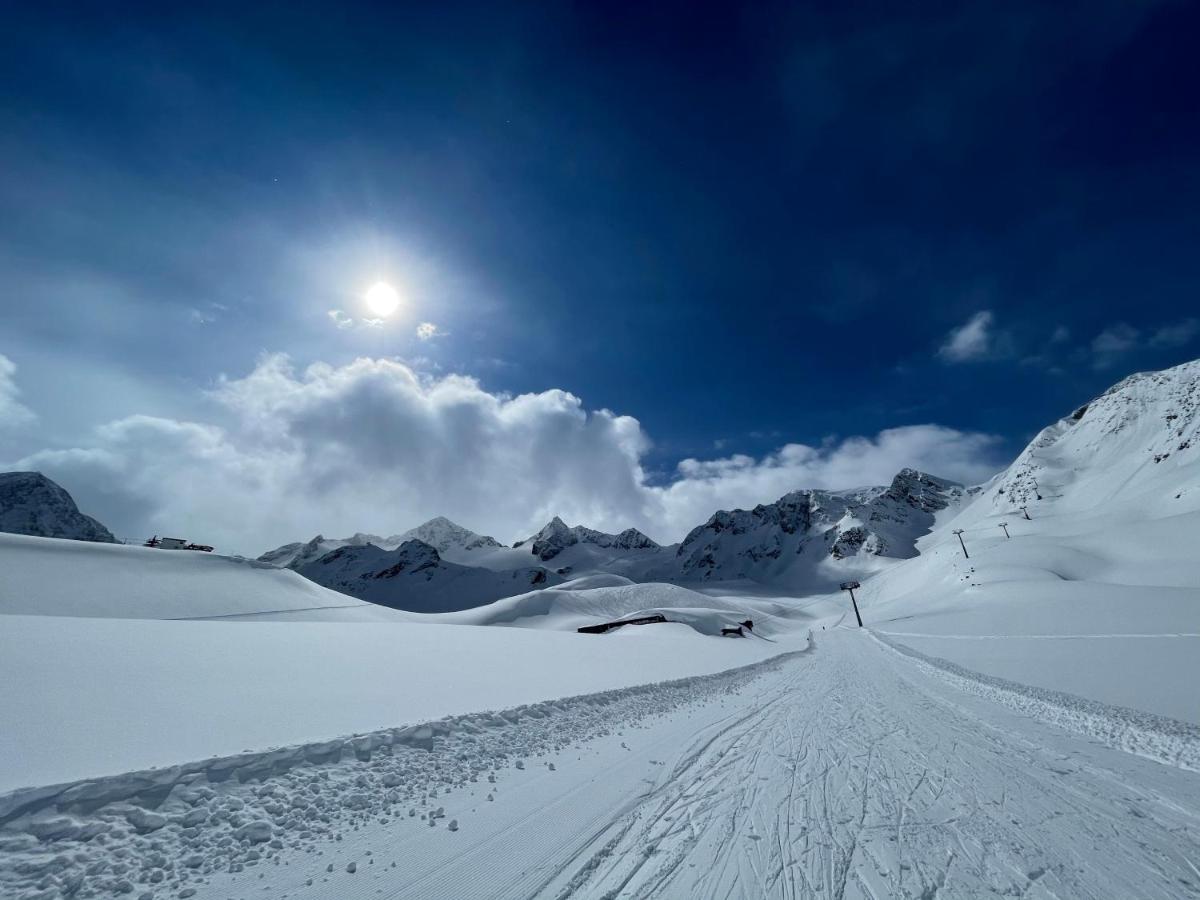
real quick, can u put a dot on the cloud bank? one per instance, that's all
(375, 446)
(13, 414)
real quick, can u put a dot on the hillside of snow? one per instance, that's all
(51, 577)
(30, 503)
(1097, 592)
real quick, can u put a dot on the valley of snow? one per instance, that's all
(1021, 722)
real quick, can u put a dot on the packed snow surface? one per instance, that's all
(846, 769)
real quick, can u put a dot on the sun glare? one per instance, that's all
(382, 299)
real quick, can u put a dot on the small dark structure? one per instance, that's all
(606, 627)
(733, 632)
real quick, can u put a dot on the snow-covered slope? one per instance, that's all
(812, 539)
(1098, 591)
(45, 576)
(30, 503)
(1135, 447)
(414, 577)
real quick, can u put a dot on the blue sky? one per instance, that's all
(748, 229)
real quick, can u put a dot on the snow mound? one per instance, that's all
(572, 605)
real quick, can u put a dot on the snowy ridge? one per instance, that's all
(227, 813)
(415, 578)
(1139, 440)
(446, 537)
(300, 554)
(30, 503)
(451, 541)
(556, 536)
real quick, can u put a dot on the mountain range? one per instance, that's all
(807, 540)
(1126, 446)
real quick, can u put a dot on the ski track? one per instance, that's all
(851, 771)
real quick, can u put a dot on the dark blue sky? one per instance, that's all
(743, 226)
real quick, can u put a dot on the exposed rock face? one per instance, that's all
(803, 527)
(30, 503)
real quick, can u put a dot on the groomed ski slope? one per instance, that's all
(842, 769)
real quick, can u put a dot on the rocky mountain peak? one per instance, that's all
(30, 503)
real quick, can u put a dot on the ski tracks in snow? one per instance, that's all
(850, 774)
(855, 770)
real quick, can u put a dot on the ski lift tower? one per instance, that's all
(850, 586)
(959, 533)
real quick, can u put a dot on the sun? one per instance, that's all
(382, 299)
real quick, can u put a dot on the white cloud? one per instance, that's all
(340, 319)
(13, 414)
(1176, 335)
(375, 446)
(970, 341)
(427, 331)
(1112, 343)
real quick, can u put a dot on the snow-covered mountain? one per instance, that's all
(301, 553)
(1136, 445)
(801, 538)
(414, 577)
(557, 536)
(451, 541)
(30, 503)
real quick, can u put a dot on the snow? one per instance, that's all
(44, 576)
(848, 770)
(97, 697)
